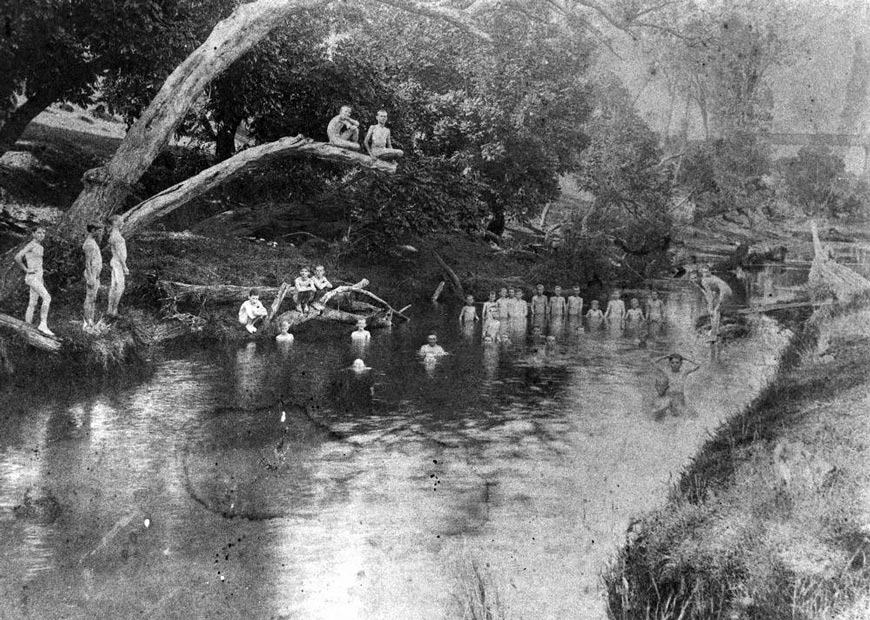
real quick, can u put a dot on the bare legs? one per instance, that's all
(37, 292)
(90, 303)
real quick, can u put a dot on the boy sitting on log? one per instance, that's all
(305, 290)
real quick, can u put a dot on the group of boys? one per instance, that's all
(510, 305)
(30, 260)
(306, 289)
(343, 131)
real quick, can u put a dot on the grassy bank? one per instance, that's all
(772, 517)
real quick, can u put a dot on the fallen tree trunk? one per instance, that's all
(215, 293)
(30, 334)
(180, 194)
(381, 318)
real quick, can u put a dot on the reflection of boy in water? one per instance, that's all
(671, 385)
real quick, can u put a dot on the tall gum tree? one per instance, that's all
(107, 187)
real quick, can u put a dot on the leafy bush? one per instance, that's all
(425, 196)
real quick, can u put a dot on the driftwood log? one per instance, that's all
(30, 334)
(340, 295)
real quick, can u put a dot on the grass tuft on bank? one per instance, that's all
(772, 518)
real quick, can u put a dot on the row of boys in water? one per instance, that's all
(511, 305)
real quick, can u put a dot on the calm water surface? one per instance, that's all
(267, 482)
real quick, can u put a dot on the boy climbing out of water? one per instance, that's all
(468, 314)
(671, 385)
(29, 258)
(715, 290)
(557, 303)
(540, 303)
(361, 335)
(305, 290)
(575, 303)
(594, 317)
(252, 311)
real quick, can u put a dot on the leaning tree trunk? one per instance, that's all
(107, 187)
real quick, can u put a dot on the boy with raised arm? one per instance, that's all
(93, 267)
(29, 258)
(118, 263)
(673, 388)
(378, 141)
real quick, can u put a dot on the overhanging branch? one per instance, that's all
(179, 194)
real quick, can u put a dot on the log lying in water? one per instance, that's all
(227, 293)
(215, 293)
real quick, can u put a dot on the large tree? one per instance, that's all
(71, 50)
(107, 187)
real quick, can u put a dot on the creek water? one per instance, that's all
(261, 481)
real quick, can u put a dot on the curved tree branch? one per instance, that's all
(181, 193)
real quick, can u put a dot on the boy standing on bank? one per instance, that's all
(118, 263)
(93, 267)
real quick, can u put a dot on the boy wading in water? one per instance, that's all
(468, 314)
(118, 263)
(671, 385)
(361, 335)
(29, 258)
(93, 267)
